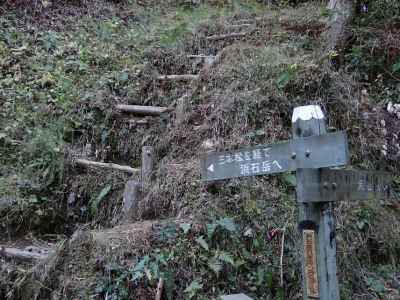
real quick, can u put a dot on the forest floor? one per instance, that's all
(66, 65)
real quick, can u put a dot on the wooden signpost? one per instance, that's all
(311, 152)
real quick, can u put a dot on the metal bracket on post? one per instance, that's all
(316, 220)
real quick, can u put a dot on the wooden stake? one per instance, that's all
(282, 252)
(182, 108)
(131, 198)
(143, 110)
(160, 288)
(316, 221)
(185, 77)
(88, 163)
(226, 36)
(147, 166)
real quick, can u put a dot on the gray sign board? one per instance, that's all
(311, 152)
(235, 297)
(339, 185)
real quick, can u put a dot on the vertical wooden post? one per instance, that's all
(147, 166)
(182, 108)
(131, 198)
(316, 220)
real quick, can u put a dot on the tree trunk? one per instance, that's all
(342, 13)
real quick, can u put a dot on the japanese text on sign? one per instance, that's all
(310, 263)
(281, 157)
(246, 160)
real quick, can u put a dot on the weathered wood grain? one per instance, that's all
(308, 121)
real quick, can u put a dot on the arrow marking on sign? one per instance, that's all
(303, 153)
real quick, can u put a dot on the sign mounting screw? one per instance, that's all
(325, 185)
(334, 185)
(308, 153)
(293, 155)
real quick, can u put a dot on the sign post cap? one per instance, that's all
(236, 297)
(307, 113)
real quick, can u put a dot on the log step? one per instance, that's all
(26, 254)
(88, 163)
(201, 56)
(236, 26)
(226, 36)
(143, 110)
(244, 21)
(184, 77)
(138, 122)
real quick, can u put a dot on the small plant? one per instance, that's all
(286, 76)
(193, 288)
(43, 157)
(95, 203)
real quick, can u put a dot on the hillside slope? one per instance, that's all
(66, 66)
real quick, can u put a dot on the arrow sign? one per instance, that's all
(312, 152)
(339, 185)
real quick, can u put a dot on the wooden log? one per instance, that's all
(316, 221)
(27, 254)
(138, 122)
(226, 36)
(201, 56)
(184, 77)
(236, 297)
(236, 26)
(88, 163)
(147, 166)
(250, 21)
(143, 110)
(243, 21)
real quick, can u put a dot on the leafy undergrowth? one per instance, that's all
(65, 66)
